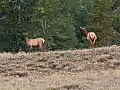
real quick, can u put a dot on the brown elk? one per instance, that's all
(91, 36)
(34, 43)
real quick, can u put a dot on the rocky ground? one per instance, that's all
(89, 69)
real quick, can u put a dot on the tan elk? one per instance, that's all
(91, 36)
(34, 43)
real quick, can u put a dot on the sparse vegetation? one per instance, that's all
(61, 70)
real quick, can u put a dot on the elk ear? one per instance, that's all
(83, 28)
(25, 33)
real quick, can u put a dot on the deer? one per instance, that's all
(91, 36)
(34, 43)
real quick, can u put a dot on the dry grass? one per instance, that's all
(61, 70)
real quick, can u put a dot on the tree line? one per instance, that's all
(58, 22)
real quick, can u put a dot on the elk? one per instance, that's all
(34, 43)
(91, 36)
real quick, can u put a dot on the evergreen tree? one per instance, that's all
(57, 26)
(101, 21)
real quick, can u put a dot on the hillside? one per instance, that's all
(89, 69)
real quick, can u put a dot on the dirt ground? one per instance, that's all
(89, 69)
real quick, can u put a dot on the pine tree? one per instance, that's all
(101, 20)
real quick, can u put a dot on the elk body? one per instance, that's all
(91, 37)
(35, 43)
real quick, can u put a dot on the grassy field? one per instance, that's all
(89, 69)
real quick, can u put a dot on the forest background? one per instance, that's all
(58, 22)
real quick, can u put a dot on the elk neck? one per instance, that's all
(85, 31)
(26, 39)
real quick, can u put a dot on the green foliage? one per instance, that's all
(101, 21)
(81, 12)
(57, 27)
(58, 22)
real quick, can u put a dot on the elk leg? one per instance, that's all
(42, 47)
(31, 49)
(91, 44)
